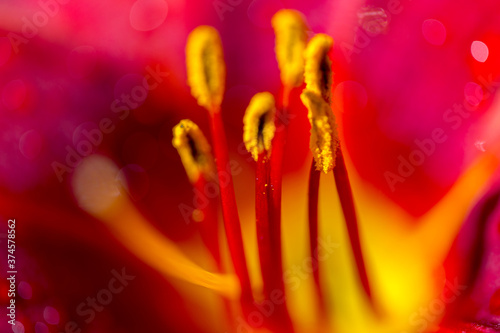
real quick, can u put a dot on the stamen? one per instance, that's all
(324, 146)
(291, 38)
(258, 132)
(194, 150)
(206, 76)
(324, 138)
(206, 69)
(262, 222)
(230, 210)
(258, 124)
(290, 30)
(318, 73)
(98, 193)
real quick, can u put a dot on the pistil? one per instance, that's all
(291, 37)
(323, 144)
(326, 149)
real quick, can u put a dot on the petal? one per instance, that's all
(474, 261)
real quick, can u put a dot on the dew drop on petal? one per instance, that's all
(24, 290)
(81, 61)
(473, 93)
(260, 12)
(130, 91)
(5, 50)
(18, 327)
(51, 315)
(434, 32)
(373, 20)
(30, 144)
(479, 51)
(14, 94)
(41, 328)
(146, 15)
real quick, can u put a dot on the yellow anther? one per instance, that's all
(206, 69)
(290, 29)
(324, 136)
(258, 124)
(318, 69)
(194, 150)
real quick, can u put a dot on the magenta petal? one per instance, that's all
(474, 261)
(418, 69)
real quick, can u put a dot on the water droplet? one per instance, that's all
(51, 315)
(434, 32)
(24, 290)
(479, 51)
(373, 20)
(146, 15)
